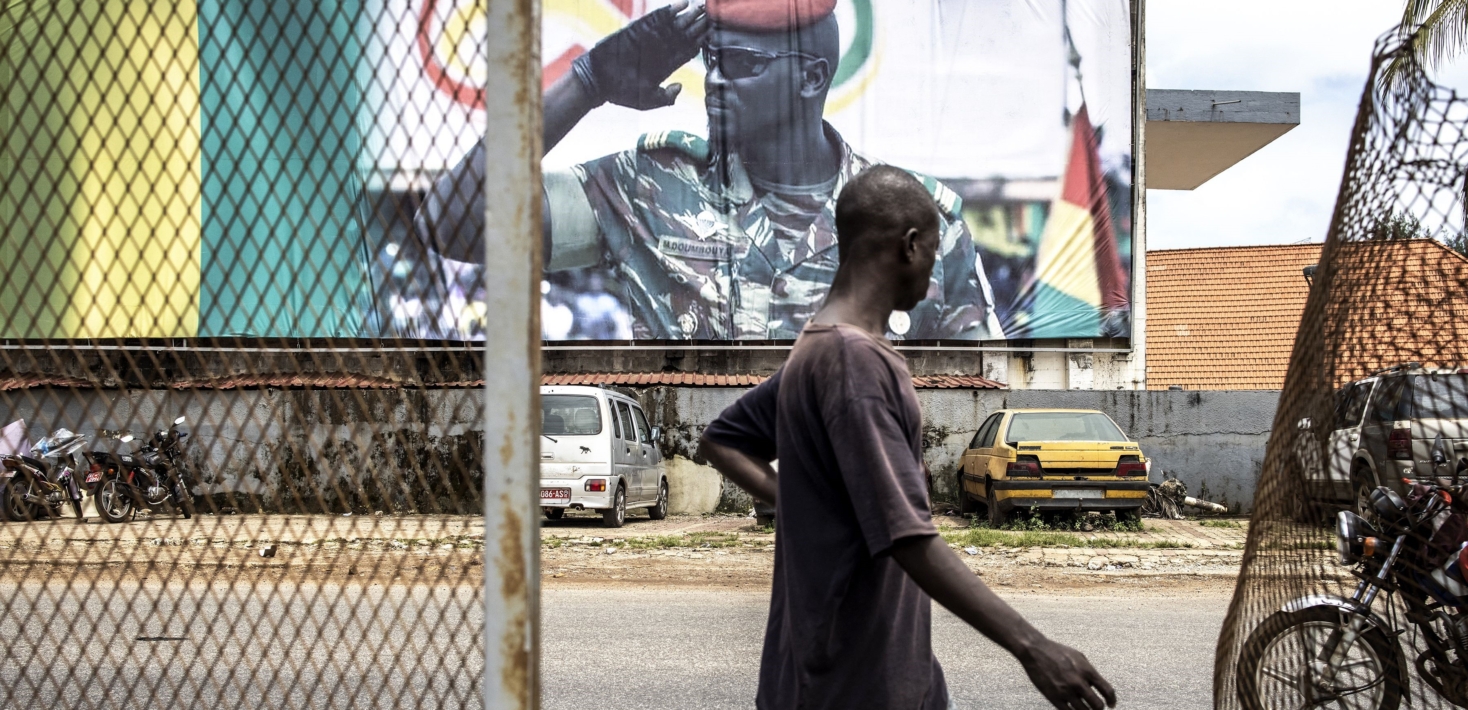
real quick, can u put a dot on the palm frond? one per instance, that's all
(1432, 31)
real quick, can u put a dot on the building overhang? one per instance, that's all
(1194, 135)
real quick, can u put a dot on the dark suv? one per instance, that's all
(1406, 422)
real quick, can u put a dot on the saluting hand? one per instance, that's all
(1064, 676)
(628, 67)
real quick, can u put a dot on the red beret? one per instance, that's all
(768, 15)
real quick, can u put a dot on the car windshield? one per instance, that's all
(569, 415)
(1063, 426)
(1440, 396)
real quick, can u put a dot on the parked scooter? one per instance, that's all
(153, 477)
(1328, 651)
(36, 486)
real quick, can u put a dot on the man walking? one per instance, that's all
(857, 558)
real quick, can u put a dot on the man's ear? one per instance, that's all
(910, 245)
(815, 78)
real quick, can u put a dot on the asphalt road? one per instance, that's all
(661, 648)
(272, 645)
(284, 645)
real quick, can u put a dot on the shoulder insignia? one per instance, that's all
(949, 203)
(683, 142)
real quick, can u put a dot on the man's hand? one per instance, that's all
(1061, 674)
(1064, 676)
(628, 67)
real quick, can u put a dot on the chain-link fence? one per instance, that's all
(1365, 609)
(245, 469)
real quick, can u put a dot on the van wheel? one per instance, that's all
(554, 513)
(614, 516)
(997, 517)
(965, 500)
(660, 511)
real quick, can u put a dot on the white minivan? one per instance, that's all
(597, 452)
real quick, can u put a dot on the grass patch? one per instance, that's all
(1060, 521)
(1220, 524)
(988, 537)
(696, 541)
(1301, 545)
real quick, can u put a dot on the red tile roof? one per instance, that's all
(1226, 318)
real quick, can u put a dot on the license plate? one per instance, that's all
(94, 477)
(555, 495)
(1080, 493)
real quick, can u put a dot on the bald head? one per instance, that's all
(877, 208)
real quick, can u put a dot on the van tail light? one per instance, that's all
(596, 485)
(1026, 468)
(1131, 468)
(1399, 445)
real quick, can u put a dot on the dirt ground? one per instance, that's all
(1167, 557)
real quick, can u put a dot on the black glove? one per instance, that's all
(629, 66)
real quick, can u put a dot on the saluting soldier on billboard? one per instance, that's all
(729, 237)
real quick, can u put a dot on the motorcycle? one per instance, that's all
(36, 486)
(152, 477)
(1329, 651)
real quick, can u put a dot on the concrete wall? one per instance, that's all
(1212, 441)
(1055, 363)
(420, 450)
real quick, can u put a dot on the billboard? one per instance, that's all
(311, 170)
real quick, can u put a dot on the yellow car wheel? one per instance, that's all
(997, 518)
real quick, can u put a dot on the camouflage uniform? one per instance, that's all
(702, 263)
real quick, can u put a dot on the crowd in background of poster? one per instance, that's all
(289, 148)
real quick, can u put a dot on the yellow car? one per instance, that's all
(1051, 459)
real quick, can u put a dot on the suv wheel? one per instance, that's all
(660, 511)
(614, 516)
(1363, 483)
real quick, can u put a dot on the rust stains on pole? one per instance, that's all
(512, 355)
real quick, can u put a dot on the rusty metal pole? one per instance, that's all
(512, 140)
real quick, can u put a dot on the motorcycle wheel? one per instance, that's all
(113, 502)
(185, 504)
(13, 508)
(1274, 670)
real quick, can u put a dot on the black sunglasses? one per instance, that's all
(744, 62)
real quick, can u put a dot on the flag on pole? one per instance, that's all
(1079, 286)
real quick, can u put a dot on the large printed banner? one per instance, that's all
(311, 169)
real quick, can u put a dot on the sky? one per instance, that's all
(1284, 193)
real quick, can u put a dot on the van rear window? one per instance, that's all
(1063, 426)
(569, 415)
(1440, 396)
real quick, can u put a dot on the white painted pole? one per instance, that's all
(512, 356)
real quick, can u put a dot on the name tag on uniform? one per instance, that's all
(693, 248)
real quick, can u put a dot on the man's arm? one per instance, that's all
(740, 443)
(1062, 674)
(747, 472)
(626, 68)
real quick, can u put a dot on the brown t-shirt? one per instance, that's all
(848, 628)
